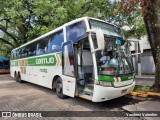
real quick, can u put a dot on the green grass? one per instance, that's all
(142, 88)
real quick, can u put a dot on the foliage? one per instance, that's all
(3, 51)
(137, 28)
(142, 88)
(128, 12)
(24, 20)
(151, 14)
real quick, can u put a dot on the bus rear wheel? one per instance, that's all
(59, 88)
(16, 76)
(19, 78)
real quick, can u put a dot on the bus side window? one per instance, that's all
(42, 46)
(55, 42)
(32, 49)
(16, 54)
(25, 51)
(20, 53)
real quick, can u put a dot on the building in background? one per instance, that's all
(146, 62)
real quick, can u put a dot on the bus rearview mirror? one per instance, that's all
(136, 46)
(100, 39)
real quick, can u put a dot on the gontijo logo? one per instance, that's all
(45, 61)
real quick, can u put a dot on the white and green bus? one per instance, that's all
(86, 57)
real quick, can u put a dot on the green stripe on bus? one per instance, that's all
(111, 78)
(48, 60)
(60, 55)
(106, 78)
(125, 78)
(24, 68)
(43, 61)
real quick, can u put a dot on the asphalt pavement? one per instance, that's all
(150, 105)
(29, 97)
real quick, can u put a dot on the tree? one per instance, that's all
(23, 20)
(151, 14)
(129, 13)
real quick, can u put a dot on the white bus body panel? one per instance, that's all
(69, 85)
(107, 93)
(34, 75)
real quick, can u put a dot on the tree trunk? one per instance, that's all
(153, 29)
(156, 86)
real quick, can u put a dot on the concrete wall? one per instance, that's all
(147, 63)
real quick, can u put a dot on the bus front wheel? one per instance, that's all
(59, 88)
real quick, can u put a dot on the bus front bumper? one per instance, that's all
(102, 93)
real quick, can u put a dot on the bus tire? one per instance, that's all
(19, 78)
(16, 76)
(59, 88)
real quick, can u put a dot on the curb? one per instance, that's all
(140, 94)
(154, 94)
(144, 94)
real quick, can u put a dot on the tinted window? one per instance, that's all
(32, 49)
(16, 54)
(46, 45)
(25, 51)
(106, 28)
(42, 46)
(19, 53)
(76, 31)
(55, 42)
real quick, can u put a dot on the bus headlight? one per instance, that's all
(106, 84)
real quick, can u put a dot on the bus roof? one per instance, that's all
(3, 59)
(61, 27)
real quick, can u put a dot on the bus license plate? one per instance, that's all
(123, 91)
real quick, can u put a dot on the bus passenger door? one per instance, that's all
(68, 69)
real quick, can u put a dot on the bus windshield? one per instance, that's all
(106, 28)
(116, 58)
